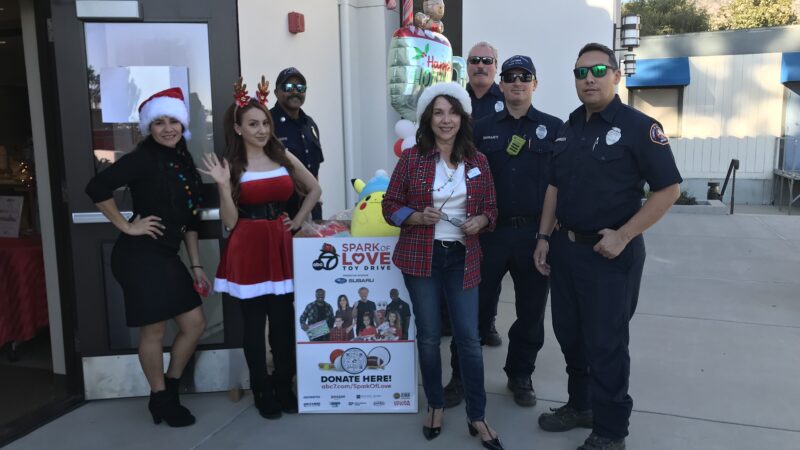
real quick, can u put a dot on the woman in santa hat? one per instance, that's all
(255, 180)
(157, 286)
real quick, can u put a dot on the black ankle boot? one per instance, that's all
(264, 398)
(173, 387)
(163, 406)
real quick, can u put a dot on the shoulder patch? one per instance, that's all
(657, 135)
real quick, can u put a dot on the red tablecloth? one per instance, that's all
(23, 295)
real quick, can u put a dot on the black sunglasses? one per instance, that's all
(512, 77)
(598, 71)
(297, 87)
(486, 60)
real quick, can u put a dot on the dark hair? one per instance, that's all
(462, 147)
(339, 301)
(595, 47)
(235, 151)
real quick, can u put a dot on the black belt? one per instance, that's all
(270, 211)
(580, 237)
(518, 221)
(446, 244)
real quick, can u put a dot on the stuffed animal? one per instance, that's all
(368, 215)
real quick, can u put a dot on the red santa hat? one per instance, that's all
(168, 102)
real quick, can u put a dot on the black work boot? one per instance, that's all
(522, 387)
(491, 337)
(264, 398)
(453, 392)
(163, 406)
(595, 442)
(565, 418)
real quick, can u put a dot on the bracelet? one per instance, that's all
(195, 267)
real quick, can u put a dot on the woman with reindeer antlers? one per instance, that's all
(256, 178)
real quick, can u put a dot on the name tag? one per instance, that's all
(474, 172)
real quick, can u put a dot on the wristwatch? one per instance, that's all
(545, 237)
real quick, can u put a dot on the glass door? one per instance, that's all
(109, 69)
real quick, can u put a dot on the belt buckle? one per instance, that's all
(571, 235)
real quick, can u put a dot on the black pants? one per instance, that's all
(280, 310)
(510, 249)
(594, 299)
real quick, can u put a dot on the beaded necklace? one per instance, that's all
(447, 173)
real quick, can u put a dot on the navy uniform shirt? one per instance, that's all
(300, 136)
(600, 166)
(521, 180)
(492, 101)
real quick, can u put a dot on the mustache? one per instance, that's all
(297, 96)
(481, 72)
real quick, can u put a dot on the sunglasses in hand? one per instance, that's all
(296, 87)
(455, 221)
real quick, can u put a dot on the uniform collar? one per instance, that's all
(279, 109)
(494, 91)
(608, 114)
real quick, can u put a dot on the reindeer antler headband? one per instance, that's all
(242, 98)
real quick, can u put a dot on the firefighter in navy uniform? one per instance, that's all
(518, 142)
(296, 130)
(595, 254)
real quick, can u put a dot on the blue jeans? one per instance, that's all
(447, 276)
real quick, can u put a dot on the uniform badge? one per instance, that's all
(499, 106)
(541, 132)
(613, 135)
(657, 135)
(314, 132)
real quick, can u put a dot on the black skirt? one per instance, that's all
(156, 284)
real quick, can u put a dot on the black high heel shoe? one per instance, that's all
(432, 432)
(491, 444)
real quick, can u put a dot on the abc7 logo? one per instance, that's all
(326, 261)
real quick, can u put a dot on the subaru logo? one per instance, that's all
(340, 280)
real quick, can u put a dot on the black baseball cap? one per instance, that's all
(287, 73)
(519, 62)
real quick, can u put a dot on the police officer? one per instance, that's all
(486, 96)
(602, 157)
(296, 130)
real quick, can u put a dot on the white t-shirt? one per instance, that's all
(450, 189)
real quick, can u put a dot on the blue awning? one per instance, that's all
(660, 72)
(790, 67)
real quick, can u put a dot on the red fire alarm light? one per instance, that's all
(297, 22)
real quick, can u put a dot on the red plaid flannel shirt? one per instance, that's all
(410, 190)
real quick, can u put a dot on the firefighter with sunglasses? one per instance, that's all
(296, 130)
(594, 257)
(518, 142)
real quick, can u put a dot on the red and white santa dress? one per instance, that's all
(258, 257)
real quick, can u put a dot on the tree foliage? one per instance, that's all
(668, 16)
(738, 14)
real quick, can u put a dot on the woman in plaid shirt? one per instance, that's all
(442, 196)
